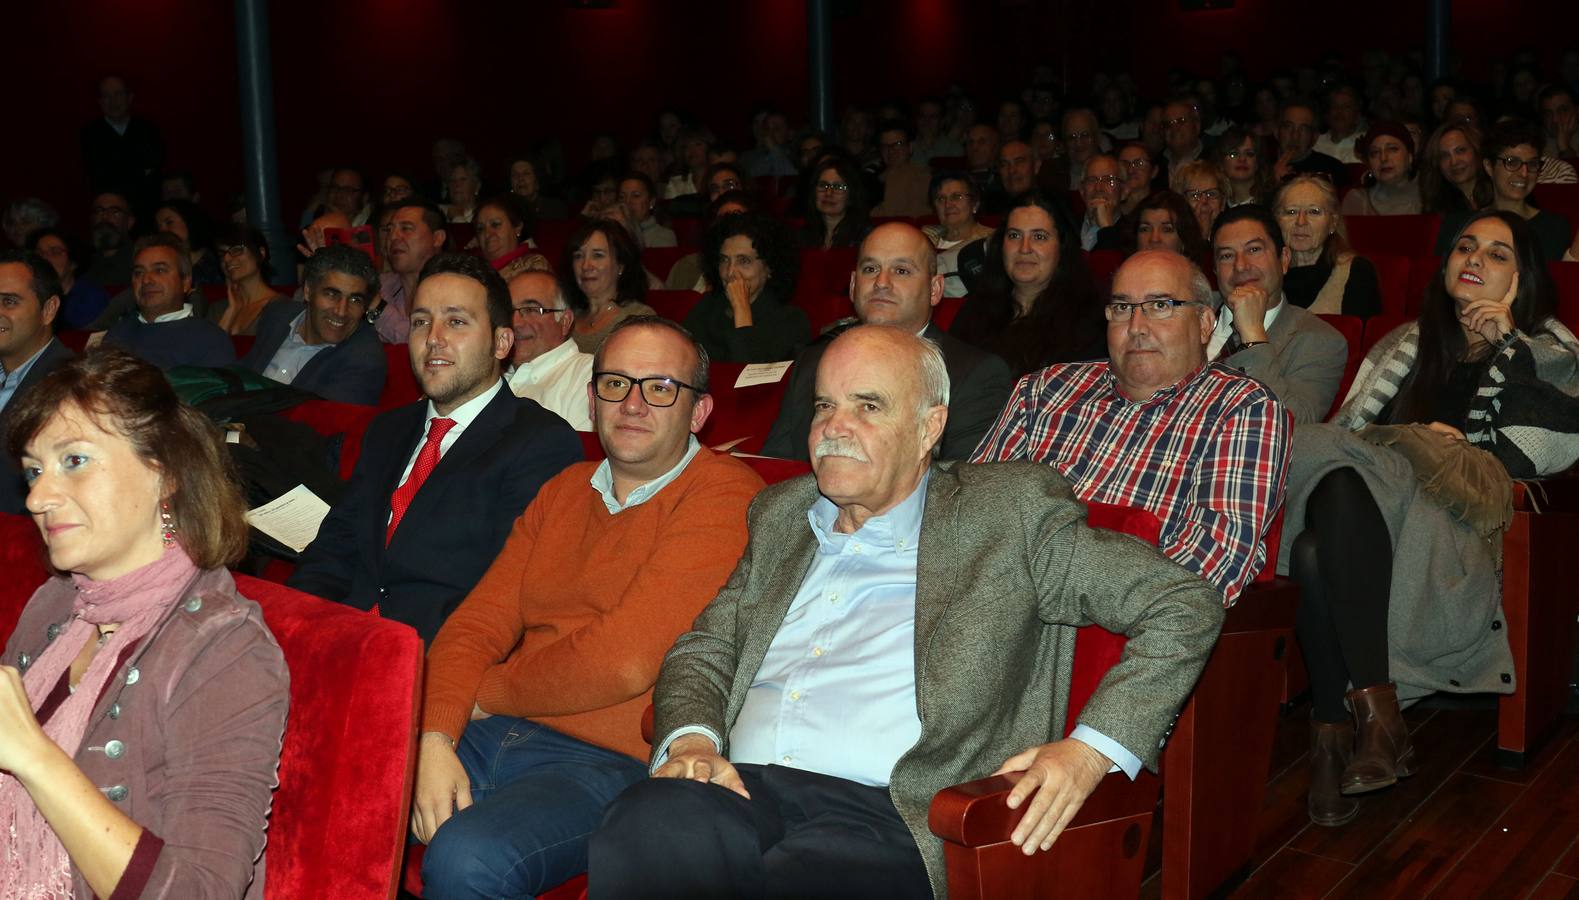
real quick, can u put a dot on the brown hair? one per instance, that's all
(127, 396)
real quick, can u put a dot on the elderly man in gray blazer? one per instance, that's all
(896, 626)
(1292, 351)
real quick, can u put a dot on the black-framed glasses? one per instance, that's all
(657, 390)
(1156, 309)
(1139, 162)
(1515, 163)
(538, 309)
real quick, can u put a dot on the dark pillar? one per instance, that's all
(1438, 25)
(819, 63)
(260, 171)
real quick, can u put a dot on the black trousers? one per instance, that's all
(1343, 562)
(801, 835)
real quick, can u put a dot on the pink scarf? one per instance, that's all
(33, 863)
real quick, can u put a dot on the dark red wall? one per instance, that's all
(374, 81)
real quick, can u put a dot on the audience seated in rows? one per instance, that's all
(896, 283)
(764, 698)
(1200, 445)
(1511, 162)
(1162, 221)
(481, 452)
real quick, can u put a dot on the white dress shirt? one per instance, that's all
(558, 381)
(463, 415)
(1224, 330)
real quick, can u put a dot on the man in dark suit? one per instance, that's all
(440, 481)
(914, 631)
(29, 302)
(896, 282)
(326, 346)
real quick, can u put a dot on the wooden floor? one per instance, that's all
(1461, 827)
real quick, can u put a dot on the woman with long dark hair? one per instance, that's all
(838, 208)
(1395, 507)
(1037, 303)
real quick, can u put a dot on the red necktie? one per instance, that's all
(427, 459)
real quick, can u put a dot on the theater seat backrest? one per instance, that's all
(673, 305)
(22, 562)
(329, 418)
(1403, 235)
(339, 823)
(943, 314)
(400, 383)
(746, 412)
(1393, 273)
(1566, 275)
(1096, 648)
(774, 470)
(1353, 330)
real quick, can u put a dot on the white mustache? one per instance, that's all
(832, 446)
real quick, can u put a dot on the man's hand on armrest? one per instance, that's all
(443, 789)
(1061, 775)
(696, 757)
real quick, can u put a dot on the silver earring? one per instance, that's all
(166, 524)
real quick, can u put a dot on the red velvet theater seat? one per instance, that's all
(1102, 853)
(23, 567)
(341, 812)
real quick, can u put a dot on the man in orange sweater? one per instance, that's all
(537, 684)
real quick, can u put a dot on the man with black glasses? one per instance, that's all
(1202, 446)
(547, 365)
(536, 686)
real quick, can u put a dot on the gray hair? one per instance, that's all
(183, 255)
(26, 216)
(934, 373)
(1201, 289)
(343, 259)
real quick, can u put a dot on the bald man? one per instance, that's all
(896, 283)
(1201, 445)
(836, 682)
(547, 366)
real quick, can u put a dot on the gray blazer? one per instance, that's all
(1007, 570)
(1302, 364)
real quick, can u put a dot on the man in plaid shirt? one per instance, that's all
(1202, 446)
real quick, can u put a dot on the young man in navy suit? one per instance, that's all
(440, 481)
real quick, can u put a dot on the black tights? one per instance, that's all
(1343, 561)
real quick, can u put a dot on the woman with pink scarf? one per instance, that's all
(142, 700)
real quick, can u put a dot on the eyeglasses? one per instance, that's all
(956, 197)
(656, 390)
(838, 186)
(1156, 310)
(1235, 154)
(1139, 162)
(537, 309)
(1109, 180)
(1210, 194)
(234, 250)
(1515, 163)
(1077, 136)
(1175, 121)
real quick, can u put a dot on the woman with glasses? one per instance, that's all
(1324, 275)
(244, 256)
(956, 201)
(838, 212)
(1452, 180)
(750, 262)
(1244, 166)
(1205, 188)
(82, 299)
(1390, 187)
(1037, 304)
(1512, 161)
(1395, 508)
(1142, 176)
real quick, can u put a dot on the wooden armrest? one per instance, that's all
(977, 813)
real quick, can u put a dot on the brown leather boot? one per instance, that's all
(1331, 745)
(1382, 752)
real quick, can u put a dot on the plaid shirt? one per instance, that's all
(1208, 456)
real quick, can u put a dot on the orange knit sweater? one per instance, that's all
(571, 622)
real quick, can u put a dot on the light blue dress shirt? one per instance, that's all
(836, 691)
(10, 381)
(603, 481)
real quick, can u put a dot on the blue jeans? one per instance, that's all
(537, 796)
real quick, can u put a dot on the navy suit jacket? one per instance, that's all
(455, 525)
(13, 494)
(352, 371)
